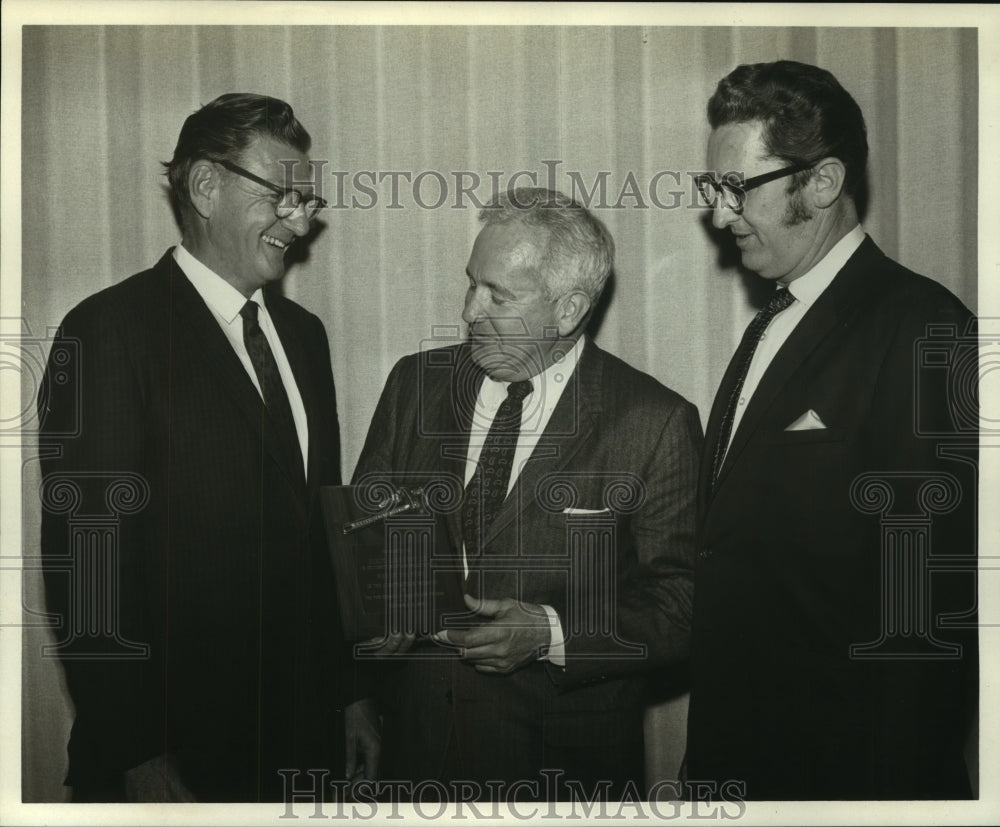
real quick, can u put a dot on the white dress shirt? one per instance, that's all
(225, 302)
(805, 289)
(536, 411)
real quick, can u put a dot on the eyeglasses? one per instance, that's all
(734, 189)
(290, 199)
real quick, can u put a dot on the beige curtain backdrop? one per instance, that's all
(574, 106)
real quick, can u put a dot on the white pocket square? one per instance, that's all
(586, 511)
(809, 421)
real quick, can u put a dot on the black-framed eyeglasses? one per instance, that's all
(733, 189)
(290, 199)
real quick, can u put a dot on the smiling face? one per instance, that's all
(514, 328)
(776, 233)
(241, 239)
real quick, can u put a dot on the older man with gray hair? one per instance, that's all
(572, 528)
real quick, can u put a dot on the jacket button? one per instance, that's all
(705, 553)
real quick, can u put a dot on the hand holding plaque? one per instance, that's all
(397, 574)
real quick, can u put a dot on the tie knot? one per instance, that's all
(779, 301)
(249, 311)
(519, 390)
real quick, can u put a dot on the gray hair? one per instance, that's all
(579, 252)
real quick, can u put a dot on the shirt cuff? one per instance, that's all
(557, 645)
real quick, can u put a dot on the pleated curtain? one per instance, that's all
(412, 127)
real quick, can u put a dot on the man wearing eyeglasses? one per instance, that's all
(823, 665)
(213, 399)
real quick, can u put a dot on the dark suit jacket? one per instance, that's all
(219, 573)
(790, 574)
(617, 439)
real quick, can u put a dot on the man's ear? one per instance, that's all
(827, 182)
(572, 311)
(203, 187)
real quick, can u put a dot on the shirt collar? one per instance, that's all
(808, 287)
(221, 297)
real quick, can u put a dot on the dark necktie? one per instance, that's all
(744, 355)
(271, 386)
(487, 489)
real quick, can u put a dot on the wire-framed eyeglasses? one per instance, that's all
(733, 189)
(290, 199)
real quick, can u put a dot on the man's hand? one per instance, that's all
(363, 740)
(511, 635)
(157, 781)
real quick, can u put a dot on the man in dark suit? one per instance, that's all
(834, 632)
(198, 637)
(575, 556)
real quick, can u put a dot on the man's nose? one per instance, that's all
(298, 221)
(470, 312)
(723, 215)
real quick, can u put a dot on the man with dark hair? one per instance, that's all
(829, 662)
(570, 526)
(210, 408)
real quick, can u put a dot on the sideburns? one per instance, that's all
(796, 212)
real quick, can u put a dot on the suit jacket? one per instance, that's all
(618, 441)
(790, 568)
(221, 651)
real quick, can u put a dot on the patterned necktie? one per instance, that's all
(744, 355)
(271, 386)
(487, 489)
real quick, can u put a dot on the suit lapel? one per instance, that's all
(217, 355)
(714, 426)
(298, 359)
(811, 330)
(453, 417)
(822, 318)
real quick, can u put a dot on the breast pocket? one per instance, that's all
(807, 437)
(583, 528)
(804, 479)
